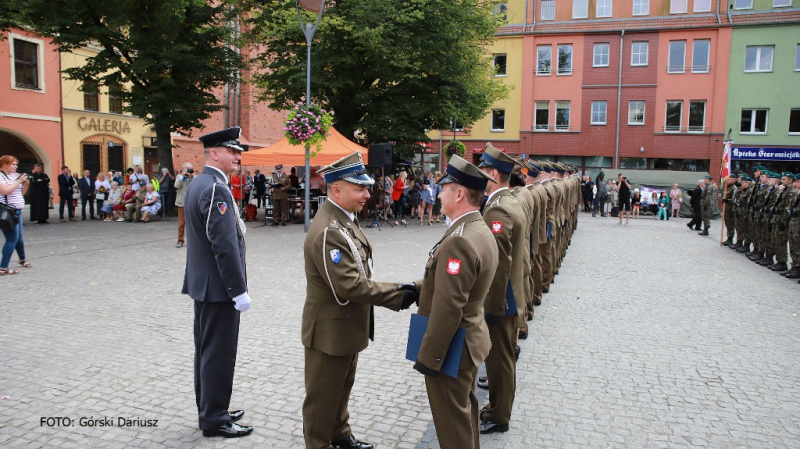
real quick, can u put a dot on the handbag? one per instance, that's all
(76, 195)
(100, 196)
(8, 216)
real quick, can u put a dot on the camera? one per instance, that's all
(190, 170)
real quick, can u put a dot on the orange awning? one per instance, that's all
(335, 147)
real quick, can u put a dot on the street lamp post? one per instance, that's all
(308, 30)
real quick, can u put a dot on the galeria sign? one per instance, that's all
(105, 125)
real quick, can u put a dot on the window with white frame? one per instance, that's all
(599, 112)
(641, 7)
(702, 5)
(580, 9)
(562, 115)
(603, 8)
(758, 58)
(548, 10)
(500, 10)
(672, 122)
(544, 57)
(542, 116)
(498, 119)
(27, 64)
(677, 57)
(639, 53)
(499, 64)
(636, 112)
(754, 121)
(600, 58)
(697, 116)
(794, 121)
(700, 55)
(678, 6)
(781, 3)
(565, 59)
(743, 4)
(797, 59)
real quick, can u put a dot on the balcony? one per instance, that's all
(548, 10)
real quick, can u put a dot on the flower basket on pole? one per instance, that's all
(308, 125)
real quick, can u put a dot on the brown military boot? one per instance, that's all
(780, 266)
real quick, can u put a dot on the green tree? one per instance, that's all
(169, 55)
(393, 69)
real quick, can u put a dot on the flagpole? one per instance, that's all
(724, 174)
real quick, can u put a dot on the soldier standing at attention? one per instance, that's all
(793, 215)
(770, 202)
(758, 199)
(457, 277)
(709, 195)
(779, 224)
(505, 301)
(538, 228)
(730, 186)
(547, 254)
(216, 279)
(279, 182)
(741, 200)
(338, 316)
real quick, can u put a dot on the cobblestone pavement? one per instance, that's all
(651, 337)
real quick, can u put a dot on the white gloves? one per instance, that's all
(242, 302)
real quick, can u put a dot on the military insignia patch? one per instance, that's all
(453, 266)
(336, 255)
(222, 207)
(497, 227)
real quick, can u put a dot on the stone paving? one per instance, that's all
(651, 337)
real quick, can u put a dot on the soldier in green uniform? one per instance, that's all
(457, 278)
(730, 186)
(709, 196)
(505, 302)
(793, 215)
(741, 201)
(767, 213)
(780, 228)
(338, 319)
(758, 200)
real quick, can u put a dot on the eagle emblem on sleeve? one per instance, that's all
(453, 266)
(497, 227)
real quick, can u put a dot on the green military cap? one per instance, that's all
(759, 168)
(494, 158)
(747, 178)
(349, 168)
(797, 177)
(708, 177)
(787, 174)
(773, 175)
(462, 172)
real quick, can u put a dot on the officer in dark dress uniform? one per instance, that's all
(216, 279)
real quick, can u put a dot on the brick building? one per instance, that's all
(640, 84)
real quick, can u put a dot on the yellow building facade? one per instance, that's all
(98, 135)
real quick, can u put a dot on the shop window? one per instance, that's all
(26, 64)
(91, 95)
(754, 121)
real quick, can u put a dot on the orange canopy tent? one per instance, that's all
(335, 147)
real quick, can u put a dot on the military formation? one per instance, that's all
(762, 219)
(511, 222)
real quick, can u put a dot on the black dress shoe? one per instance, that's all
(523, 335)
(489, 427)
(483, 383)
(517, 350)
(351, 442)
(236, 415)
(229, 430)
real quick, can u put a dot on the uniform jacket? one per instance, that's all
(457, 277)
(540, 212)
(551, 201)
(507, 223)
(781, 203)
(215, 250)
(709, 195)
(327, 326)
(65, 185)
(282, 179)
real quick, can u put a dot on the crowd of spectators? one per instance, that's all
(603, 197)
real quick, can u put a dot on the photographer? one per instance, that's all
(13, 186)
(182, 181)
(624, 189)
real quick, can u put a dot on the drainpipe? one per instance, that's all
(526, 14)
(719, 21)
(533, 22)
(619, 98)
(61, 112)
(730, 19)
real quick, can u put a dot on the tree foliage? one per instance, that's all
(393, 69)
(168, 55)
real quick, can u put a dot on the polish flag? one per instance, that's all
(726, 160)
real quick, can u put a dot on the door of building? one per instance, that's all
(151, 165)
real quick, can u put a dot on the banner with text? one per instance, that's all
(766, 154)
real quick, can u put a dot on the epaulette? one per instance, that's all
(334, 224)
(458, 232)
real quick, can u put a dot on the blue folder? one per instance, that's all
(511, 302)
(416, 330)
